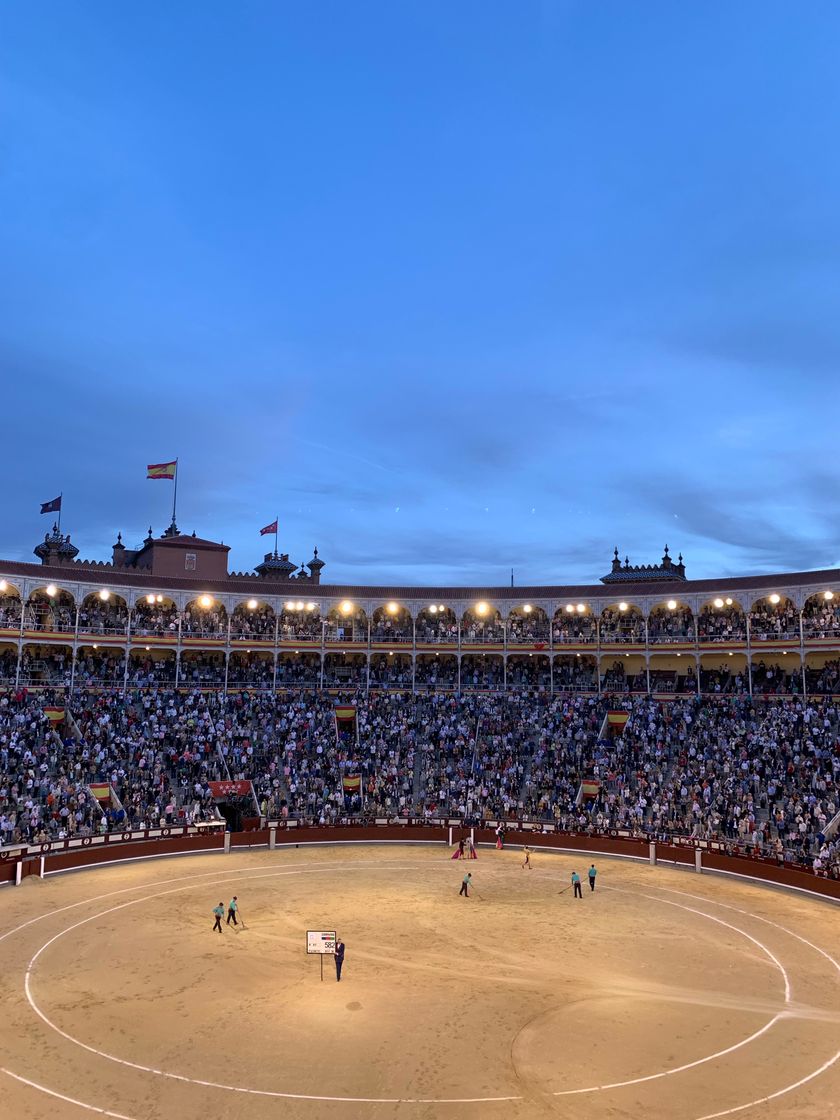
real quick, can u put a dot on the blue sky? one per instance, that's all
(451, 288)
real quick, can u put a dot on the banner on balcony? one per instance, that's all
(345, 711)
(230, 789)
(617, 719)
(101, 791)
(352, 783)
(54, 715)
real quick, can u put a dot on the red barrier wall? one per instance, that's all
(757, 869)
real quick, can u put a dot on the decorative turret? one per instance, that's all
(315, 565)
(56, 548)
(275, 567)
(118, 557)
(642, 573)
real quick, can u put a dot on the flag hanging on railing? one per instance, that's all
(54, 715)
(101, 791)
(351, 783)
(162, 470)
(617, 719)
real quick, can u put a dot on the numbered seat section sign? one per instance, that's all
(320, 941)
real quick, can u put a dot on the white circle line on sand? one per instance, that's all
(64, 1097)
(218, 1085)
(710, 1116)
(710, 1057)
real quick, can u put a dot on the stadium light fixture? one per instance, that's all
(718, 603)
(346, 607)
(298, 606)
(826, 594)
(51, 590)
(728, 602)
(481, 608)
(95, 646)
(150, 599)
(672, 604)
(158, 598)
(104, 595)
(527, 608)
(432, 609)
(290, 606)
(3, 585)
(441, 607)
(206, 601)
(774, 598)
(148, 648)
(252, 604)
(311, 606)
(570, 609)
(581, 608)
(392, 608)
(622, 607)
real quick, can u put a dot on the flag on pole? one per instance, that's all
(162, 470)
(272, 528)
(51, 507)
(54, 715)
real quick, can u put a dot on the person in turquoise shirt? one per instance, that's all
(233, 906)
(219, 911)
(465, 885)
(592, 874)
(576, 884)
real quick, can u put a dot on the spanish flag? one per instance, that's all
(617, 719)
(351, 783)
(101, 791)
(162, 470)
(345, 711)
(54, 715)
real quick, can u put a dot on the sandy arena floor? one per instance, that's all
(662, 996)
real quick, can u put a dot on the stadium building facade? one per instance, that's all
(170, 613)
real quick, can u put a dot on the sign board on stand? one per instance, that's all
(321, 942)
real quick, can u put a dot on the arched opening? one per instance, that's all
(436, 625)
(574, 624)
(821, 615)
(482, 672)
(622, 624)
(252, 620)
(482, 625)
(46, 665)
(822, 674)
(8, 663)
(670, 623)
(202, 669)
(300, 621)
(391, 624)
(346, 623)
(673, 674)
(527, 625)
(624, 674)
(436, 672)
(249, 669)
(722, 619)
(10, 606)
(51, 609)
(99, 667)
(150, 668)
(345, 670)
(575, 673)
(154, 615)
(774, 619)
(298, 670)
(777, 675)
(724, 674)
(529, 672)
(103, 612)
(204, 617)
(391, 671)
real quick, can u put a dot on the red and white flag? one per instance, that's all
(272, 528)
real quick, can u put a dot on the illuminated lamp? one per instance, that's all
(718, 603)
(52, 591)
(252, 604)
(774, 598)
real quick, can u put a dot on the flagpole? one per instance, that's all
(60, 503)
(276, 530)
(175, 494)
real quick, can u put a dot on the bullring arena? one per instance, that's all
(663, 993)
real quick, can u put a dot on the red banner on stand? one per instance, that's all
(230, 789)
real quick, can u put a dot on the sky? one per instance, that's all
(448, 288)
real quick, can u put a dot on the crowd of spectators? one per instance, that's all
(758, 774)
